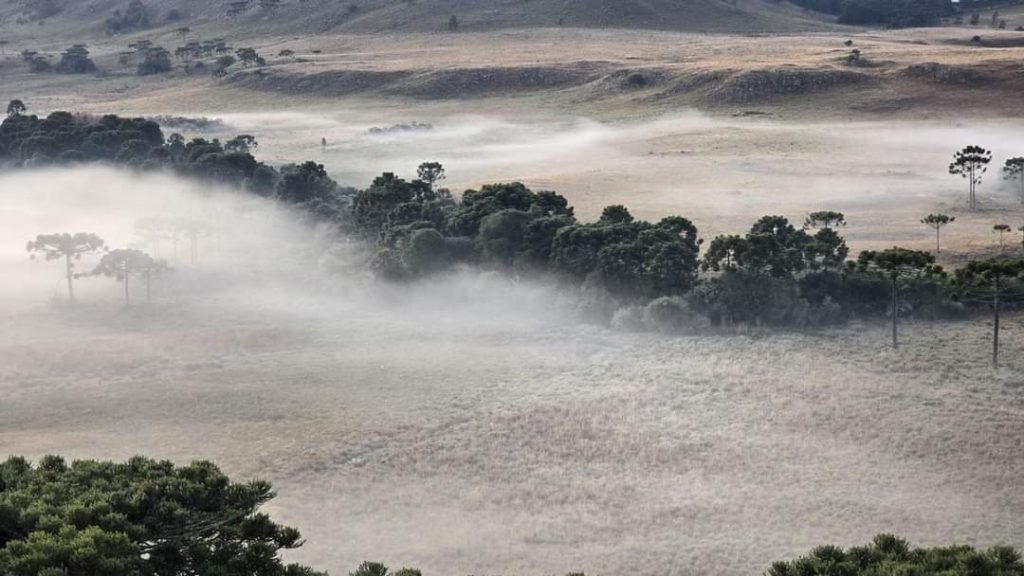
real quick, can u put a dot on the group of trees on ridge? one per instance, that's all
(146, 517)
(777, 274)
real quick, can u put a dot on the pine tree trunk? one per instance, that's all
(71, 290)
(995, 326)
(895, 314)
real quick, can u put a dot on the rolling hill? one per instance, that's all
(85, 18)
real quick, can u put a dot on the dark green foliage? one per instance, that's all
(895, 261)
(503, 235)
(977, 282)
(741, 297)
(627, 257)
(135, 518)
(307, 185)
(889, 555)
(774, 247)
(424, 252)
(478, 204)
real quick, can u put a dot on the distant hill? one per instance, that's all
(82, 18)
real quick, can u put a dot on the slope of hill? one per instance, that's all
(85, 18)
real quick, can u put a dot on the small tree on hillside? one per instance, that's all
(16, 108)
(1013, 169)
(1001, 229)
(971, 163)
(70, 247)
(937, 221)
(893, 263)
(453, 23)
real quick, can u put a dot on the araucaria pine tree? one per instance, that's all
(971, 163)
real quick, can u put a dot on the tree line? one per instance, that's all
(778, 273)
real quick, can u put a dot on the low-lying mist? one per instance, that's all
(469, 423)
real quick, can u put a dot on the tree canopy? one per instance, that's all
(888, 554)
(137, 518)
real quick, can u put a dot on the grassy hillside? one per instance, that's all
(84, 18)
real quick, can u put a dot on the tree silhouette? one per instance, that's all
(989, 275)
(971, 163)
(123, 263)
(1002, 229)
(825, 219)
(70, 247)
(1013, 169)
(453, 24)
(937, 221)
(431, 173)
(15, 108)
(895, 262)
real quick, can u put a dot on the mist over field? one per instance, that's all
(722, 173)
(473, 422)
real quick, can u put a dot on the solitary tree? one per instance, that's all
(937, 221)
(990, 275)
(15, 108)
(453, 24)
(971, 163)
(1013, 169)
(895, 262)
(70, 247)
(431, 173)
(825, 219)
(123, 263)
(1002, 229)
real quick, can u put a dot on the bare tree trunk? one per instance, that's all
(937, 247)
(71, 290)
(127, 299)
(995, 326)
(895, 314)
